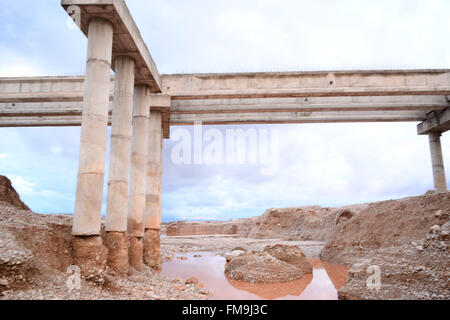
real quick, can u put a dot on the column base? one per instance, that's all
(152, 248)
(90, 255)
(136, 252)
(117, 243)
(435, 191)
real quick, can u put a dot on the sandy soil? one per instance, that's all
(406, 239)
(35, 254)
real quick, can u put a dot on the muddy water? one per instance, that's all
(322, 284)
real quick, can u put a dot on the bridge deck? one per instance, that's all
(252, 98)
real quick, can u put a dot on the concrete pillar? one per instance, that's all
(88, 250)
(138, 183)
(119, 163)
(154, 183)
(437, 161)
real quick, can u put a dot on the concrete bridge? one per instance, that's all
(141, 105)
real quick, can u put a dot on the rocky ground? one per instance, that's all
(407, 240)
(35, 254)
(219, 244)
(403, 243)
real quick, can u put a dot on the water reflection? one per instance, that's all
(322, 284)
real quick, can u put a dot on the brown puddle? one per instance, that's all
(322, 284)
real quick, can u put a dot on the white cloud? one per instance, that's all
(15, 64)
(22, 185)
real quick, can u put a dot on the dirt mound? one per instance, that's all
(261, 267)
(385, 224)
(408, 272)
(277, 263)
(35, 256)
(405, 241)
(32, 247)
(292, 255)
(9, 195)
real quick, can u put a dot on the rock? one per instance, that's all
(179, 287)
(435, 228)
(292, 255)
(4, 282)
(192, 280)
(231, 255)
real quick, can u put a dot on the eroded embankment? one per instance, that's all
(407, 240)
(35, 253)
(304, 223)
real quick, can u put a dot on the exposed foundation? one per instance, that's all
(152, 248)
(117, 243)
(136, 252)
(90, 255)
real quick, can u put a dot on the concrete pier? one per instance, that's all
(138, 183)
(88, 203)
(437, 161)
(153, 200)
(119, 163)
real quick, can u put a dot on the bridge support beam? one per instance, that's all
(88, 251)
(440, 183)
(119, 163)
(138, 183)
(152, 242)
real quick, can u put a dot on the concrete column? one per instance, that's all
(153, 203)
(88, 250)
(437, 161)
(119, 163)
(138, 183)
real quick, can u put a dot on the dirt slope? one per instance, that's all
(388, 223)
(407, 240)
(9, 195)
(303, 223)
(35, 253)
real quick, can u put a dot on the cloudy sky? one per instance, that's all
(325, 164)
